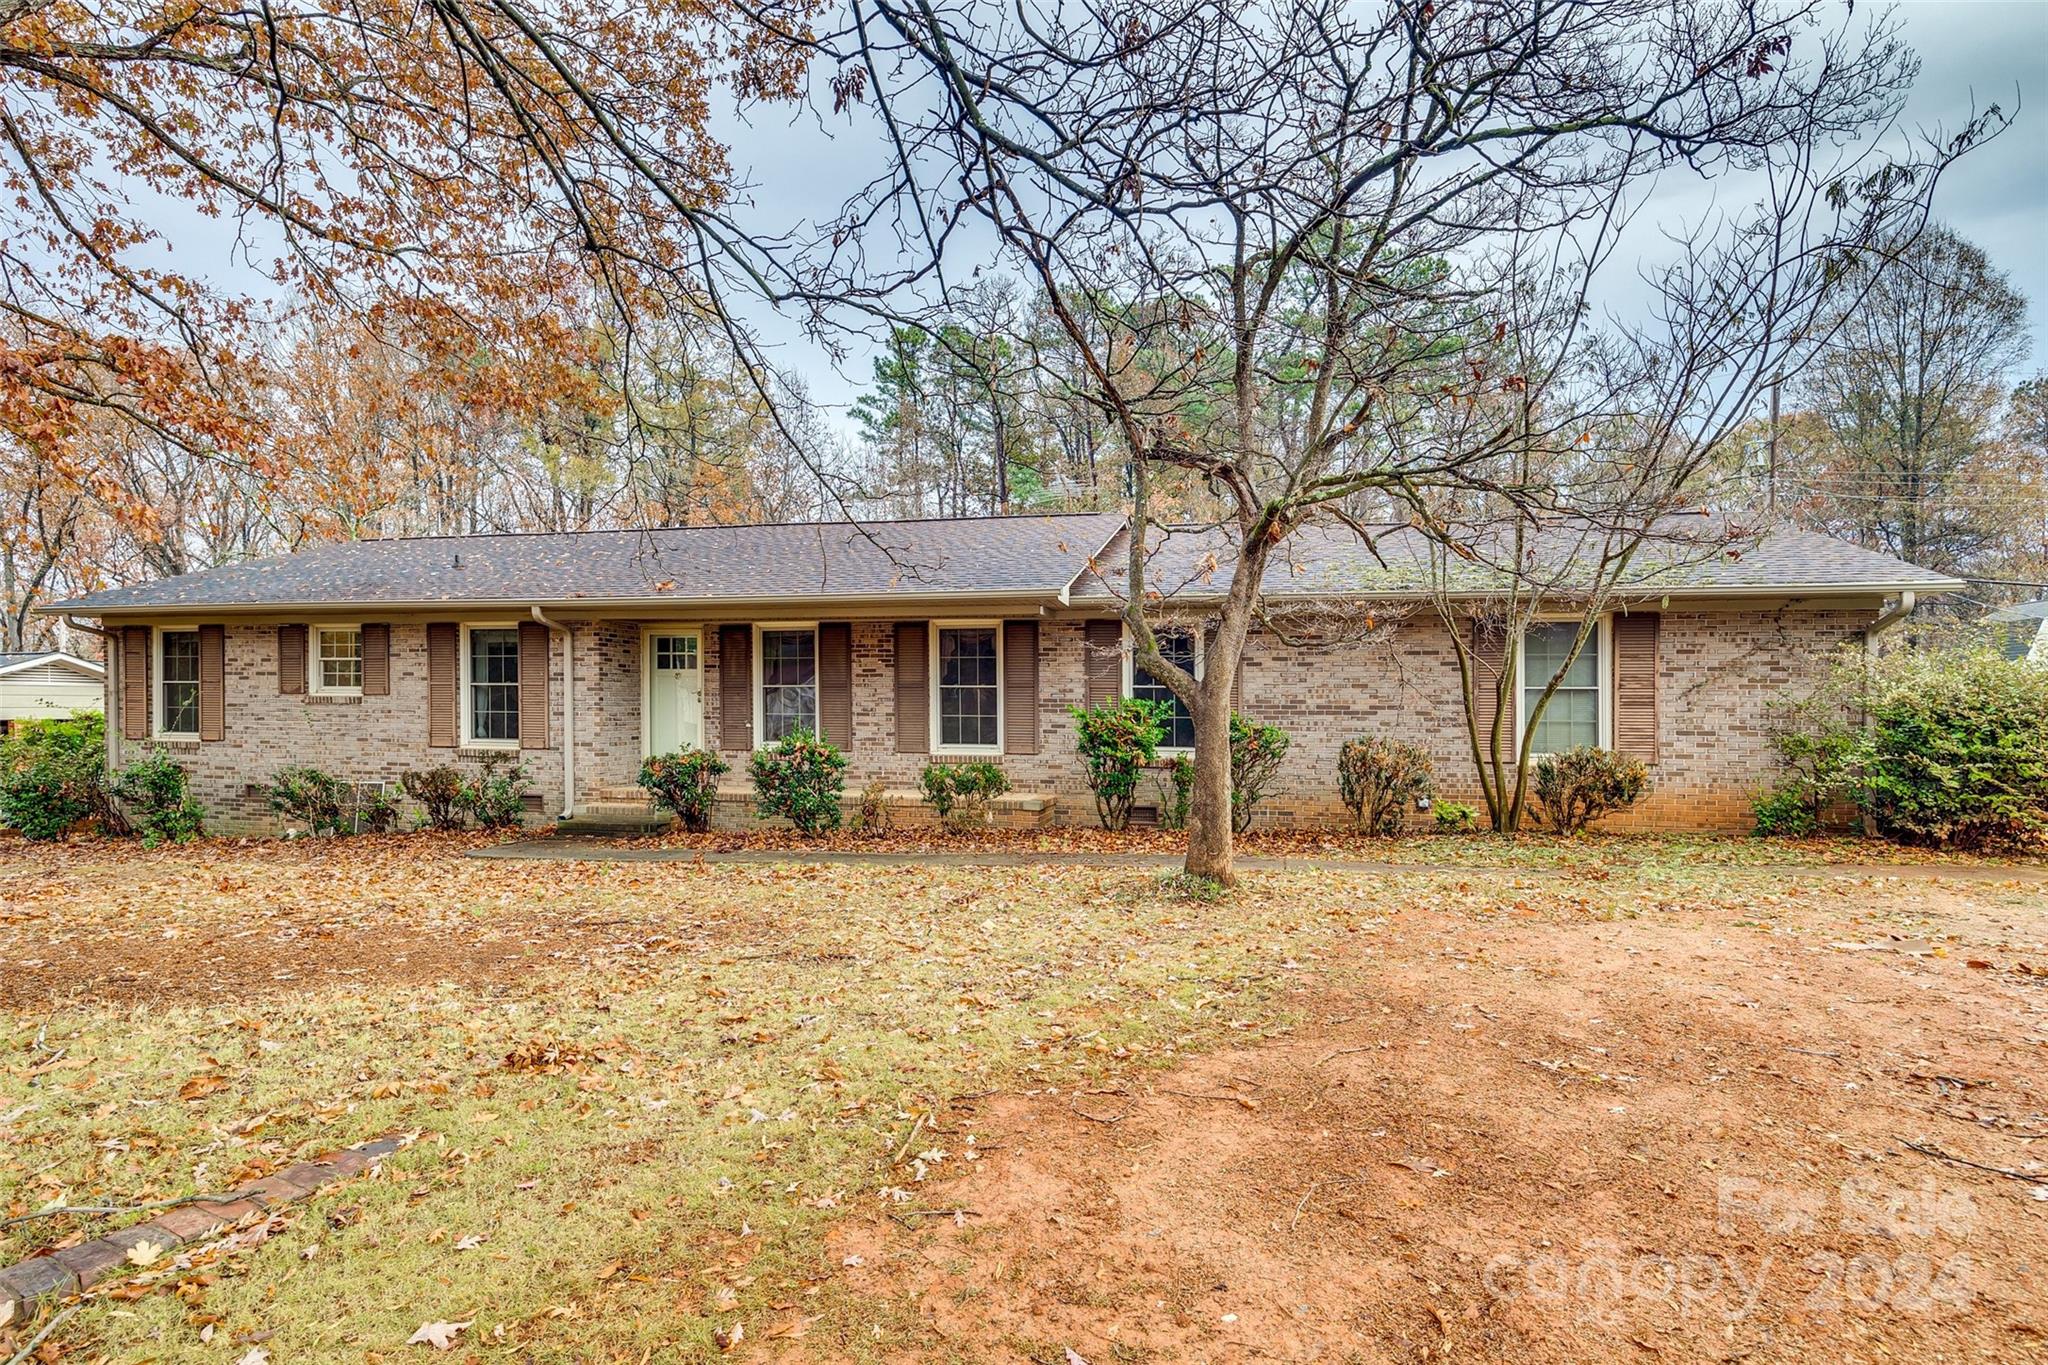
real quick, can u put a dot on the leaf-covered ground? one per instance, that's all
(679, 1110)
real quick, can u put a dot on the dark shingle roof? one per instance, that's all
(1333, 561)
(1021, 556)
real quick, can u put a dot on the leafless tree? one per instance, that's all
(1279, 237)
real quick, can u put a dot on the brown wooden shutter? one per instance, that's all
(1020, 687)
(1237, 682)
(443, 639)
(913, 688)
(533, 685)
(291, 661)
(1102, 661)
(735, 687)
(1635, 684)
(1489, 651)
(135, 682)
(213, 681)
(835, 682)
(376, 661)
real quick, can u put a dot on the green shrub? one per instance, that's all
(1955, 751)
(960, 793)
(1176, 792)
(439, 791)
(1786, 811)
(1378, 780)
(327, 805)
(685, 783)
(152, 788)
(1455, 817)
(496, 797)
(800, 780)
(1580, 785)
(53, 777)
(1256, 752)
(1118, 740)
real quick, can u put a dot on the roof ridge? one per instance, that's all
(701, 526)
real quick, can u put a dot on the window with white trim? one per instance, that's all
(177, 672)
(491, 661)
(1572, 719)
(789, 683)
(338, 661)
(969, 666)
(1176, 647)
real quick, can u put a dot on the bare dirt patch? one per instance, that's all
(1536, 1137)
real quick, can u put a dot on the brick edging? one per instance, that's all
(77, 1268)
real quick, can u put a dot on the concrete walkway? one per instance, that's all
(590, 851)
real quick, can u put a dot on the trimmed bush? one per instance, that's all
(685, 783)
(960, 793)
(1455, 817)
(152, 789)
(799, 780)
(1256, 752)
(327, 805)
(496, 797)
(1176, 792)
(439, 791)
(1956, 750)
(1786, 811)
(53, 776)
(1378, 780)
(1118, 740)
(1580, 785)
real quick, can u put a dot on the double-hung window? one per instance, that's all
(1573, 717)
(338, 661)
(968, 662)
(789, 682)
(492, 663)
(177, 671)
(1176, 647)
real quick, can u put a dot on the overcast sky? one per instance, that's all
(1973, 53)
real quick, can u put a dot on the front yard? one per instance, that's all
(1646, 1106)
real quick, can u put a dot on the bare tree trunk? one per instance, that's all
(1211, 842)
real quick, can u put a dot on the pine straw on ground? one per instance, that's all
(661, 1104)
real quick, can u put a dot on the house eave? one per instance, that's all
(652, 608)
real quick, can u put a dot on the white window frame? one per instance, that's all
(314, 685)
(465, 707)
(1603, 677)
(761, 741)
(1130, 662)
(932, 686)
(156, 687)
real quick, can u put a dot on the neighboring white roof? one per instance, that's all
(16, 663)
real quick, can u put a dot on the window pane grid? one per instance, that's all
(1572, 719)
(494, 684)
(968, 691)
(789, 683)
(180, 664)
(675, 652)
(1176, 647)
(341, 660)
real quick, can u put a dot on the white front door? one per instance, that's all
(675, 692)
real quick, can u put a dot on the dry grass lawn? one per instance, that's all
(1652, 1108)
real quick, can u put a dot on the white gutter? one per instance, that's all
(568, 712)
(112, 676)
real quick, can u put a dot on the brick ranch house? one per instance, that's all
(905, 643)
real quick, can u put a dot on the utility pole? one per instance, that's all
(1771, 477)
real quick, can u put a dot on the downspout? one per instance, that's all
(113, 675)
(568, 712)
(1889, 619)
